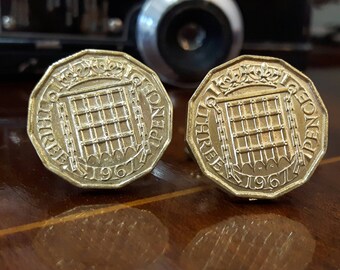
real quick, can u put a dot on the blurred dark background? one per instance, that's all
(180, 40)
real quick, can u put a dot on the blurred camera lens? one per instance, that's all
(183, 39)
(191, 36)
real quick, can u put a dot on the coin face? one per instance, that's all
(257, 127)
(99, 119)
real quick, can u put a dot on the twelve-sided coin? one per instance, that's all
(257, 127)
(100, 119)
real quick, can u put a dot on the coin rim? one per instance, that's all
(44, 157)
(218, 180)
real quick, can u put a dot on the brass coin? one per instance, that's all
(100, 119)
(257, 127)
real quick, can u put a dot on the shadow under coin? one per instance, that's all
(125, 239)
(265, 241)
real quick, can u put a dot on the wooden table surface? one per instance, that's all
(174, 218)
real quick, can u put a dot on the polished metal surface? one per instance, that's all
(257, 127)
(100, 119)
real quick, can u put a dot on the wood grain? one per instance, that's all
(173, 218)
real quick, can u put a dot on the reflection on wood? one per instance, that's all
(242, 242)
(185, 201)
(126, 239)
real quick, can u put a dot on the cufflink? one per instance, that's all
(100, 119)
(257, 127)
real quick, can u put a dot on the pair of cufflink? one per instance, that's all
(101, 119)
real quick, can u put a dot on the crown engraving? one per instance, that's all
(245, 74)
(76, 72)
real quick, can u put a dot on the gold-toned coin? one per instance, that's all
(100, 119)
(257, 127)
